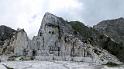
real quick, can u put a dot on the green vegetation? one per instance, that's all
(81, 28)
(88, 33)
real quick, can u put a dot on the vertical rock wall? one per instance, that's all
(21, 42)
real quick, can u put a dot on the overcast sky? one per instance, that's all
(28, 14)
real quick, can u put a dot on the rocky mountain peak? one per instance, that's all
(49, 14)
(52, 21)
(6, 32)
(115, 24)
(48, 20)
(121, 18)
(113, 28)
(3, 26)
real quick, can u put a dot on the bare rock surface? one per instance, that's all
(56, 40)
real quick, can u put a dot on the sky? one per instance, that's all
(28, 14)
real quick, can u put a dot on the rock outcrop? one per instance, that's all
(58, 40)
(20, 43)
(56, 37)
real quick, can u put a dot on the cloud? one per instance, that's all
(28, 14)
(21, 14)
(68, 9)
(98, 10)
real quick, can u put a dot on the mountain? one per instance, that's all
(58, 39)
(112, 28)
(115, 30)
(5, 32)
(96, 38)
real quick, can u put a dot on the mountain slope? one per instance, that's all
(115, 30)
(94, 37)
(112, 28)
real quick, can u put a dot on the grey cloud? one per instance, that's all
(98, 10)
(28, 14)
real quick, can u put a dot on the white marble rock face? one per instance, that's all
(21, 42)
(56, 41)
(56, 38)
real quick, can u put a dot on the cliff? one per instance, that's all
(58, 39)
